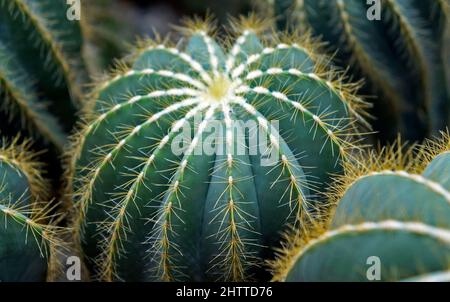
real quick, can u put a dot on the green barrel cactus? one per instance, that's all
(41, 69)
(145, 212)
(399, 47)
(28, 243)
(395, 217)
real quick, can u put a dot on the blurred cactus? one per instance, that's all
(41, 70)
(28, 242)
(146, 213)
(401, 217)
(109, 33)
(403, 56)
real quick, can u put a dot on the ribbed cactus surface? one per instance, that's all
(26, 240)
(41, 70)
(399, 47)
(400, 217)
(148, 213)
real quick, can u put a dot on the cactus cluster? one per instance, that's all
(41, 70)
(400, 48)
(193, 158)
(28, 241)
(399, 216)
(147, 213)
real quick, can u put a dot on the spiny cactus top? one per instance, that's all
(41, 69)
(26, 240)
(400, 47)
(396, 219)
(149, 212)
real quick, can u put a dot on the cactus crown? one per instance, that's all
(217, 212)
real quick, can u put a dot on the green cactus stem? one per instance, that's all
(399, 216)
(28, 243)
(403, 57)
(41, 69)
(405, 249)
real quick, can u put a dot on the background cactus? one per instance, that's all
(403, 57)
(146, 213)
(110, 33)
(27, 241)
(41, 70)
(401, 217)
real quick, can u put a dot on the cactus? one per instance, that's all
(145, 213)
(110, 29)
(41, 70)
(403, 56)
(401, 217)
(28, 243)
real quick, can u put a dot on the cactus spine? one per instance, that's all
(41, 70)
(401, 217)
(403, 56)
(146, 213)
(28, 243)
